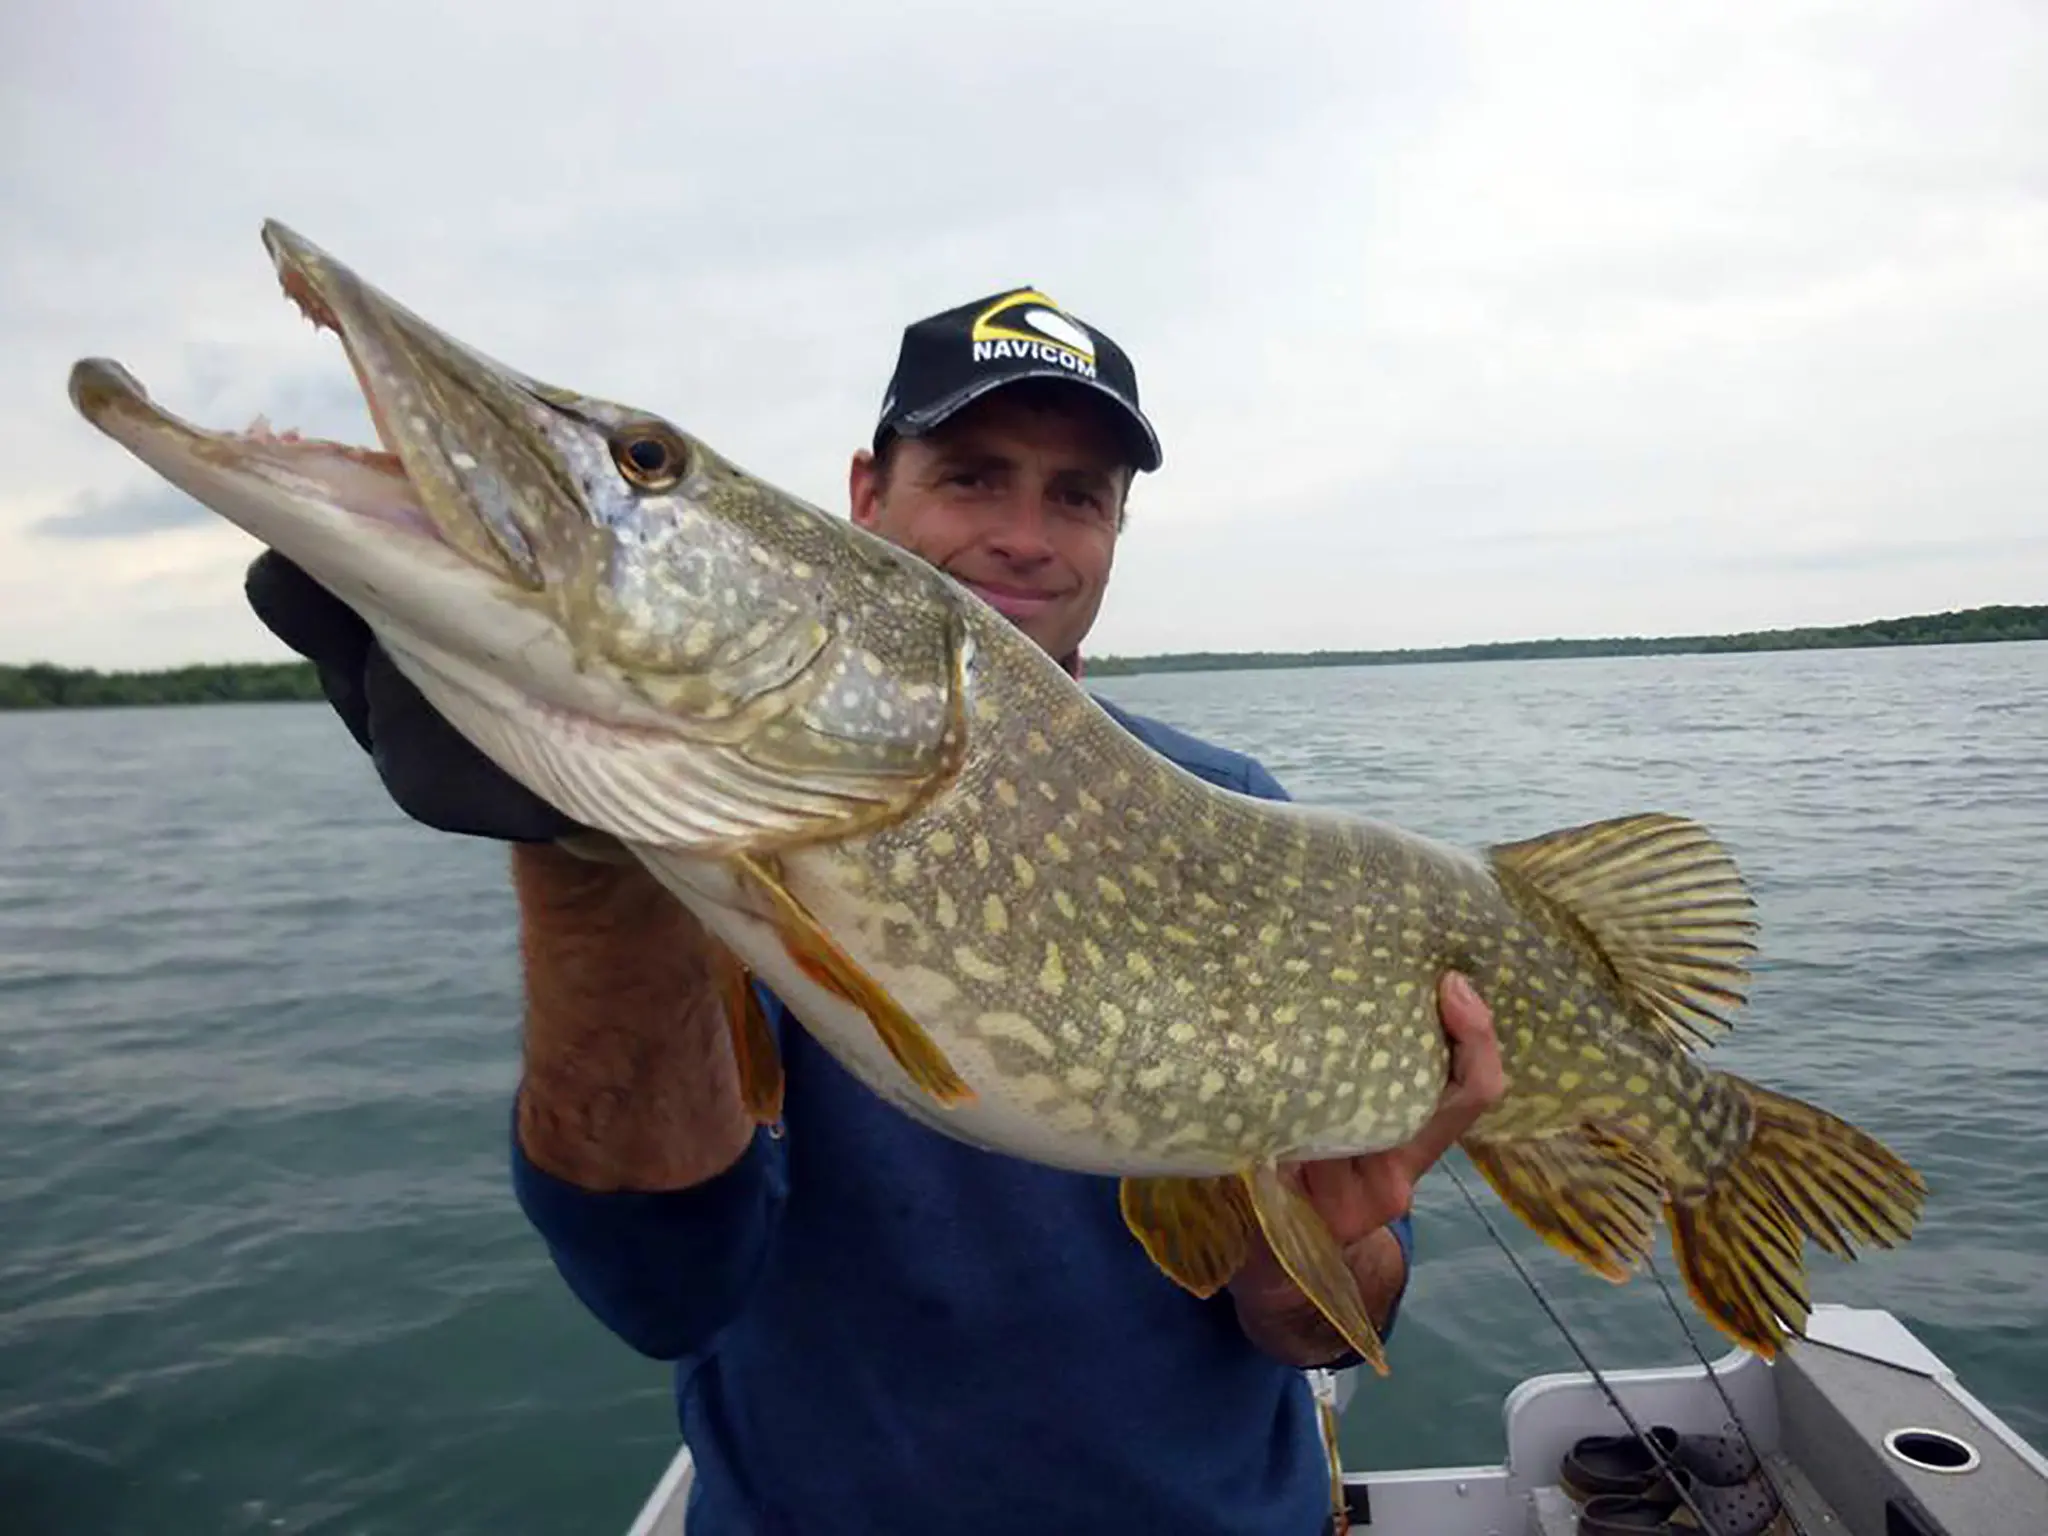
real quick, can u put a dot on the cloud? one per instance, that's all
(147, 509)
(1458, 322)
(225, 384)
(1917, 555)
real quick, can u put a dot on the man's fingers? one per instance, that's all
(1426, 1148)
(321, 628)
(304, 614)
(439, 777)
(1477, 1076)
(1476, 1082)
(1464, 1013)
(1354, 1195)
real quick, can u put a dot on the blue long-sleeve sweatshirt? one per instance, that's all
(880, 1331)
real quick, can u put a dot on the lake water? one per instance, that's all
(260, 1269)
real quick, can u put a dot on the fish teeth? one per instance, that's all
(261, 431)
(300, 293)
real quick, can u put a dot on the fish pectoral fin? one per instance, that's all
(1196, 1230)
(1306, 1248)
(753, 1043)
(821, 959)
(1660, 902)
(1804, 1174)
(1593, 1193)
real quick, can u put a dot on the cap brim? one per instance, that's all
(1138, 435)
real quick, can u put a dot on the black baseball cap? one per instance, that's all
(949, 360)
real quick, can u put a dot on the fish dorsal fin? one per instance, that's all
(1656, 900)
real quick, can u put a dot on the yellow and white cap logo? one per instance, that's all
(1027, 325)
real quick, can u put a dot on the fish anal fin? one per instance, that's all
(1804, 1174)
(1196, 1230)
(753, 1043)
(821, 959)
(1306, 1248)
(1592, 1193)
(1659, 902)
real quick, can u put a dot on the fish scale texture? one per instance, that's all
(878, 1329)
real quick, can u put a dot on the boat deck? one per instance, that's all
(1866, 1432)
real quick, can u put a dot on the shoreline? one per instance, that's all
(1992, 624)
(45, 685)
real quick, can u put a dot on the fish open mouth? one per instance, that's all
(369, 481)
(293, 277)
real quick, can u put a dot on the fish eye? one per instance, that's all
(650, 455)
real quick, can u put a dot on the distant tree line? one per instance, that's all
(41, 685)
(1966, 627)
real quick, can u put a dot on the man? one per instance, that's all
(876, 1328)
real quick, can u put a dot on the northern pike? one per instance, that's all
(1002, 912)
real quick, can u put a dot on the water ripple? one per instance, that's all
(263, 1271)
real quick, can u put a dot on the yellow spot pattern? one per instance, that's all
(1052, 976)
(973, 963)
(1014, 1026)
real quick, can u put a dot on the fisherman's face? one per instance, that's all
(1018, 498)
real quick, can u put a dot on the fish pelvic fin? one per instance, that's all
(1803, 1174)
(753, 1043)
(1306, 1248)
(1196, 1230)
(1658, 903)
(1588, 1191)
(819, 957)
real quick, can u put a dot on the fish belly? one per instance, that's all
(1026, 1115)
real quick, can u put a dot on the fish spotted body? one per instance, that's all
(1002, 912)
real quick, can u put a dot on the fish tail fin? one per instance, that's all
(1803, 1174)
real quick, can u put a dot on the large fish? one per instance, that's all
(1003, 913)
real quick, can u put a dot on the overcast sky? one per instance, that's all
(1458, 322)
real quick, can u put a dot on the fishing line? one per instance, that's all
(1671, 1303)
(1727, 1401)
(1672, 1472)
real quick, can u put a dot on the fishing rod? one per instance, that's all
(1728, 1402)
(1673, 1473)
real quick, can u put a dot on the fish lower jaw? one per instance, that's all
(349, 517)
(269, 484)
(368, 483)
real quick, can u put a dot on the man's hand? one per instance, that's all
(1359, 1196)
(432, 772)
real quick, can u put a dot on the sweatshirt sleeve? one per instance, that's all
(1257, 781)
(665, 1270)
